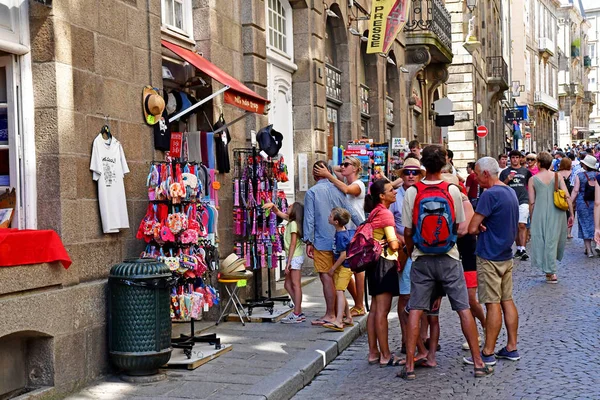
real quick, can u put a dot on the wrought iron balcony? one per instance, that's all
(587, 61)
(542, 99)
(497, 72)
(429, 24)
(589, 97)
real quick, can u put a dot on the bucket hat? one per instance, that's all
(589, 161)
(153, 105)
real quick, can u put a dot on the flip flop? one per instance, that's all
(406, 375)
(483, 372)
(422, 363)
(357, 312)
(346, 323)
(373, 362)
(391, 362)
(333, 327)
(417, 361)
(319, 322)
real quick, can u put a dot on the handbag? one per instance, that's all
(560, 197)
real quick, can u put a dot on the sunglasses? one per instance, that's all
(413, 172)
(531, 159)
(347, 164)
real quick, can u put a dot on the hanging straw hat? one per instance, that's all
(589, 161)
(153, 105)
(232, 264)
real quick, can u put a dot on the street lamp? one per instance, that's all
(471, 4)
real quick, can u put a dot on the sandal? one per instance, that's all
(392, 362)
(483, 372)
(357, 312)
(348, 322)
(406, 375)
(551, 278)
(333, 327)
(375, 361)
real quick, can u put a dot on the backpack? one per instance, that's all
(589, 193)
(363, 250)
(434, 219)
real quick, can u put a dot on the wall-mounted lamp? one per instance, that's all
(403, 69)
(354, 31)
(471, 4)
(331, 14)
(389, 59)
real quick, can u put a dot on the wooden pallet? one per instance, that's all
(201, 354)
(262, 315)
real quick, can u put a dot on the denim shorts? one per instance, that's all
(405, 278)
(429, 271)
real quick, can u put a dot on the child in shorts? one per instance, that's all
(294, 248)
(340, 271)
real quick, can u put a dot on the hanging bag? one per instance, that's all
(560, 197)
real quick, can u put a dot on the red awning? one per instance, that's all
(238, 94)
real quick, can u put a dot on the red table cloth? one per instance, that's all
(23, 247)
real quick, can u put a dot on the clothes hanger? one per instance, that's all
(106, 130)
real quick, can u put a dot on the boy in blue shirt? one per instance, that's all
(340, 271)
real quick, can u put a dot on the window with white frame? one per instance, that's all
(276, 19)
(177, 16)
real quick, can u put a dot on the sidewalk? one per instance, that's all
(268, 361)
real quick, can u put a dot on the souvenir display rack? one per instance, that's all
(180, 230)
(258, 237)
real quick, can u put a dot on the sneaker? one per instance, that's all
(518, 253)
(524, 255)
(508, 355)
(465, 345)
(293, 319)
(487, 360)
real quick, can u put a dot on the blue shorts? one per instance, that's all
(405, 278)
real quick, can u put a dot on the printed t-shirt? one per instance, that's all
(109, 167)
(340, 244)
(292, 227)
(384, 226)
(500, 207)
(409, 204)
(519, 182)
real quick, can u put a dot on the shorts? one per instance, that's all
(494, 280)
(471, 279)
(323, 261)
(523, 213)
(433, 311)
(296, 263)
(427, 272)
(341, 277)
(405, 278)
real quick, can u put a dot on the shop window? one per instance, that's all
(277, 22)
(177, 16)
(333, 89)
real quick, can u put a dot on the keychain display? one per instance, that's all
(255, 183)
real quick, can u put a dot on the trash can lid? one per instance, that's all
(140, 268)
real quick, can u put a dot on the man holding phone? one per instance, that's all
(517, 178)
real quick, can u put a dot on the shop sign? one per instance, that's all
(515, 114)
(243, 102)
(395, 22)
(397, 143)
(175, 148)
(380, 10)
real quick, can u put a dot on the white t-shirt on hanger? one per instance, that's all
(109, 167)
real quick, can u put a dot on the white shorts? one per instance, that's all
(523, 213)
(297, 262)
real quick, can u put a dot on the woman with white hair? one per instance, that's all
(583, 189)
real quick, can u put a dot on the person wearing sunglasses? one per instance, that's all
(347, 180)
(531, 162)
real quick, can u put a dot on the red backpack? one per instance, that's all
(363, 250)
(434, 218)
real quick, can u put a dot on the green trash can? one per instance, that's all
(139, 321)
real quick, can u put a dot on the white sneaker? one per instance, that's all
(293, 318)
(465, 345)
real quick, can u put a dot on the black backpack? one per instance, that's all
(589, 193)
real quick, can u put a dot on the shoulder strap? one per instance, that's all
(556, 181)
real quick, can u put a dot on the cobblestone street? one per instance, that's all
(558, 341)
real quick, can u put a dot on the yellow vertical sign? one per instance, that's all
(380, 9)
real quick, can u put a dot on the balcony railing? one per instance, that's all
(432, 16)
(546, 45)
(589, 97)
(587, 61)
(497, 71)
(545, 100)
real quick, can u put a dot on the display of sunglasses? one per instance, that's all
(413, 172)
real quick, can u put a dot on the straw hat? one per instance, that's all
(232, 264)
(589, 161)
(412, 164)
(153, 105)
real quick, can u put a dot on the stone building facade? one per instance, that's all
(478, 79)
(593, 17)
(76, 64)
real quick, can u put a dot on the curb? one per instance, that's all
(300, 371)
